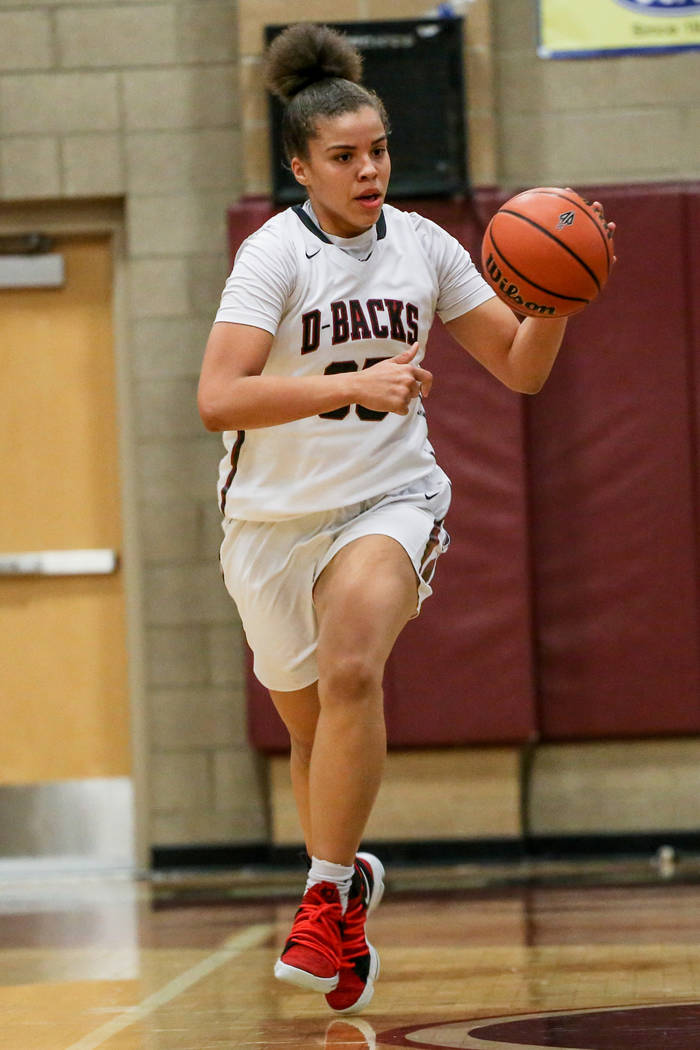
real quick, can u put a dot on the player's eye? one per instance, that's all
(343, 157)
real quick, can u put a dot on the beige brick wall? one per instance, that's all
(627, 119)
(453, 793)
(615, 786)
(139, 101)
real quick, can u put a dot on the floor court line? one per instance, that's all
(232, 947)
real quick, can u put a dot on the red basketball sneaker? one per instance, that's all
(359, 966)
(311, 956)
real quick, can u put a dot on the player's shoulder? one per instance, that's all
(277, 233)
(397, 218)
(434, 243)
(413, 221)
(271, 249)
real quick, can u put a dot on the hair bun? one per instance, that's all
(303, 54)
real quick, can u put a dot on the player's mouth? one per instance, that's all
(370, 199)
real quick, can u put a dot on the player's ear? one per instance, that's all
(299, 171)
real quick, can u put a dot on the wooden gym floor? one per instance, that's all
(601, 957)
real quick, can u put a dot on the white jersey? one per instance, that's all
(332, 310)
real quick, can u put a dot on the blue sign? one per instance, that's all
(662, 7)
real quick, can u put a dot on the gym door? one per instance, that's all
(64, 743)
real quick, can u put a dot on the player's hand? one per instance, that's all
(423, 378)
(391, 385)
(610, 227)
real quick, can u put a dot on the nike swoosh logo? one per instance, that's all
(310, 255)
(432, 494)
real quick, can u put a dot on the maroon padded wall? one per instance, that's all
(245, 218)
(613, 514)
(265, 728)
(462, 671)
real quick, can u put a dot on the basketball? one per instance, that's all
(547, 252)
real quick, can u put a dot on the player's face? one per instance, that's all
(347, 171)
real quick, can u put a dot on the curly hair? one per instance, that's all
(316, 72)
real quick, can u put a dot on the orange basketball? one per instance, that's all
(547, 252)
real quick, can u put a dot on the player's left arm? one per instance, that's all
(519, 353)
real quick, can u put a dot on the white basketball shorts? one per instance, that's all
(270, 568)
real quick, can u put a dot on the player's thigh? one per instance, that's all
(269, 570)
(363, 599)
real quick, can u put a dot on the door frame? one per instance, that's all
(107, 217)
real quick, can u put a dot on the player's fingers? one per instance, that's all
(406, 355)
(611, 227)
(425, 379)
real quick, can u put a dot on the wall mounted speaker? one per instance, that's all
(416, 67)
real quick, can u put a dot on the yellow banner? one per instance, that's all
(574, 28)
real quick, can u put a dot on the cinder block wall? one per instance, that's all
(589, 120)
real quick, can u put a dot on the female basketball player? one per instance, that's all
(333, 503)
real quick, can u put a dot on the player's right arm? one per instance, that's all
(234, 395)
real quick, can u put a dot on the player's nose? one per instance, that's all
(368, 167)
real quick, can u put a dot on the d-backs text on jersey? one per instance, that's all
(351, 320)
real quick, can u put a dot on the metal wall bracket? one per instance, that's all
(95, 562)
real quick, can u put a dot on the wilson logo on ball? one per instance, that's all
(511, 292)
(565, 219)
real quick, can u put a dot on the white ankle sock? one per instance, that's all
(327, 871)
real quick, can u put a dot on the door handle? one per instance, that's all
(95, 562)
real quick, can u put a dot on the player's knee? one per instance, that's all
(351, 678)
